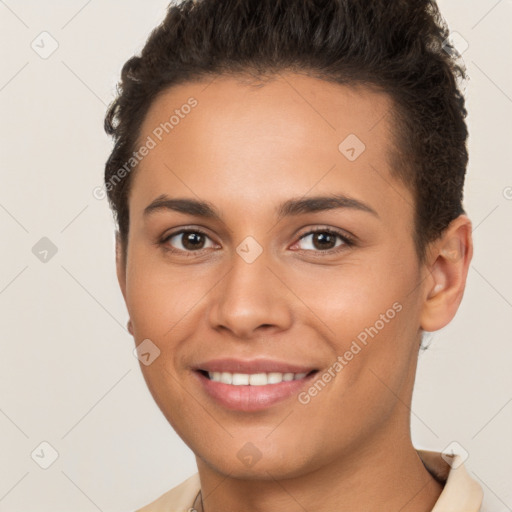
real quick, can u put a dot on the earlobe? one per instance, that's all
(450, 257)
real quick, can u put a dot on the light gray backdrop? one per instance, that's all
(68, 377)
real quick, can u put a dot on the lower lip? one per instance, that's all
(251, 398)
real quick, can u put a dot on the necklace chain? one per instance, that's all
(198, 504)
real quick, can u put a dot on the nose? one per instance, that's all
(251, 299)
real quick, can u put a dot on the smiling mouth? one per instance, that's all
(254, 379)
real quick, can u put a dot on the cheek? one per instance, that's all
(159, 297)
(370, 318)
(369, 373)
(353, 297)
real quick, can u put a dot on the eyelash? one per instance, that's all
(347, 240)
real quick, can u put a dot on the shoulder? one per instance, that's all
(461, 492)
(178, 499)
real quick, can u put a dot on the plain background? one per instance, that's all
(67, 372)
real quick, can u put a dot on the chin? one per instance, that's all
(250, 463)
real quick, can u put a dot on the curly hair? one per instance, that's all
(401, 48)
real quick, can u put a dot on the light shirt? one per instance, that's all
(461, 493)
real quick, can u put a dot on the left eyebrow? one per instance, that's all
(321, 203)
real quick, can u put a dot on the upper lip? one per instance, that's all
(232, 365)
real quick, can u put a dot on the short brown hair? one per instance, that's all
(399, 47)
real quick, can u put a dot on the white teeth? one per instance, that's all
(226, 378)
(240, 379)
(258, 379)
(274, 378)
(254, 379)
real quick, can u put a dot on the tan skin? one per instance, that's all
(246, 150)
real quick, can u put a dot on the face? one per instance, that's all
(268, 240)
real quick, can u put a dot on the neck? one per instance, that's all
(386, 476)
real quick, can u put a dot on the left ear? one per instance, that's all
(447, 264)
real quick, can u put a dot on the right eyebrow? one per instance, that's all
(182, 205)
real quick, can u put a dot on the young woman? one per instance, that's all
(287, 181)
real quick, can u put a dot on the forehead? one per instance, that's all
(223, 138)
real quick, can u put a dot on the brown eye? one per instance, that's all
(188, 241)
(323, 240)
(192, 241)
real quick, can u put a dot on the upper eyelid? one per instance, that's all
(346, 238)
